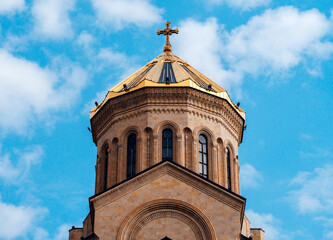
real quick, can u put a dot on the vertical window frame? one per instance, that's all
(131, 155)
(167, 145)
(228, 160)
(106, 167)
(203, 155)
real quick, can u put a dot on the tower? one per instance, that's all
(167, 166)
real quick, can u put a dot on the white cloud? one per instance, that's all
(85, 40)
(305, 136)
(316, 153)
(107, 58)
(244, 5)
(204, 43)
(249, 176)
(120, 13)
(21, 222)
(278, 40)
(265, 221)
(313, 191)
(29, 93)
(117, 59)
(16, 171)
(11, 6)
(52, 18)
(329, 235)
(17, 221)
(268, 44)
(61, 234)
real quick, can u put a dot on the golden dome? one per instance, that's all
(167, 70)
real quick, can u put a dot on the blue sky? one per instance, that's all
(59, 56)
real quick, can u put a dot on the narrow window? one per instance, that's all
(106, 165)
(167, 145)
(131, 155)
(203, 158)
(228, 168)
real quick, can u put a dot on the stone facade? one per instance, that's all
(187, 112)
(177, 197)
(167, 194)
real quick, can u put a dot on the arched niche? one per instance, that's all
(148, 216)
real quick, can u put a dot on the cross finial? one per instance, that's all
(167, 32)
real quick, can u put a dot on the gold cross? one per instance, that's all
(167, 32)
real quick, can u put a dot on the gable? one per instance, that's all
(167, 189)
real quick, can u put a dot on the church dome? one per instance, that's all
(168, 70)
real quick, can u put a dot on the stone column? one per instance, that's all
(180, 156)
(156, 157)
(120, 171)
(109, 174)
(219, 164)
(237, 189)
(234, 175)
(147, 159)
(225, 169)
(97, 184)
(195, 156)
(139, 160)
(214, 164)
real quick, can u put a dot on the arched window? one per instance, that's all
(167, 145)
(203, 156)
(131, 155)
(106, 165)
(228, 168)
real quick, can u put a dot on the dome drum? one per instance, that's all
(186, 112)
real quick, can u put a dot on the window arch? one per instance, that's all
(167, 145)
(228, 156)
(131, 155)
(203, 156)
(106, 166)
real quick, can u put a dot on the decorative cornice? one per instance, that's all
(162, 100)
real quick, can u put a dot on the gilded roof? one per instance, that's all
(167, 70)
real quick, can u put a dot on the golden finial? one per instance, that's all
(167, 32)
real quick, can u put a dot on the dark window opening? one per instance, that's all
(166, 238)
(131, 155)
(203, 156)
(167, 144)
(228, 168)
(106, 165)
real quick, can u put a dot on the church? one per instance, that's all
(167, 164)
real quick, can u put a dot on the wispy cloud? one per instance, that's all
(12, 6)
(85, 40)
(329, 235)
(305, 136)
(18, 168)
(61, 234)
(52, 19)
(250, 177)
(106, 58)
(267, 222)
(313, 191)
(122, 13)
(244, 5)
(317, 153)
